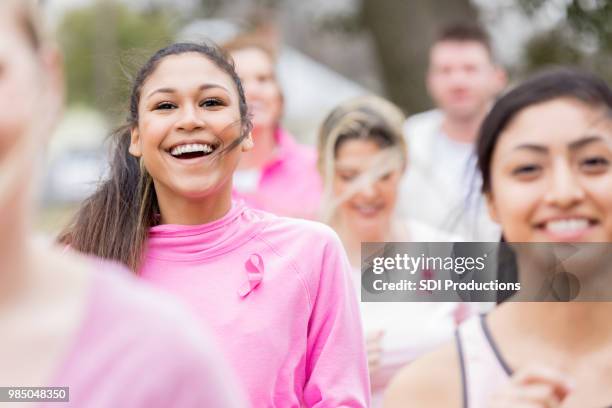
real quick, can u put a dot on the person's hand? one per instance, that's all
(374, 349)
(533, 387)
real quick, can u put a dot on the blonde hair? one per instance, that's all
(363, 118)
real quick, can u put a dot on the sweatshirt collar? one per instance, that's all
(197, 242)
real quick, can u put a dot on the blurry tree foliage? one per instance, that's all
(583, 38)
(251, 8)
(403, 32)
(103, 44)
(210, 8)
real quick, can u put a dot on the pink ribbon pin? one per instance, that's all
(255, 268)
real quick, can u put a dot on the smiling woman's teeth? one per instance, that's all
(366, 209)
(191, 148)
(569, 225)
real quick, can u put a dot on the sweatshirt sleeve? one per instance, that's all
(337, 373)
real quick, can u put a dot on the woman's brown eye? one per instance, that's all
(165, 106)
(211, 102)
(525, 170)
(385, 176)
(594, 164)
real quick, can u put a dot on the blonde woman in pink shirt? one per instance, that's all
(65, 320)
(276, 291)
(278, 175)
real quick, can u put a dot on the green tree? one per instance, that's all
(583, 38)
(102, 45)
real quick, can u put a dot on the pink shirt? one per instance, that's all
(277, 292)
(289, 184)
(138, 348)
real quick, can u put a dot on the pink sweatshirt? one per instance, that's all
(138, 348)
(288, 185)
(277, 292)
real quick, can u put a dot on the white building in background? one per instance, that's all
(311, 90)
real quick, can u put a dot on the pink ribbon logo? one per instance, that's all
(255, 268)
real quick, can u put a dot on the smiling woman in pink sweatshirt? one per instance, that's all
(276, 291)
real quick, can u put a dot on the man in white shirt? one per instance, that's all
(442, 187)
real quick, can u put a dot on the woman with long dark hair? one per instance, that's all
(545, 154)
(275, 291)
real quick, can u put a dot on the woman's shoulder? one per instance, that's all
(301, 152)
(312, 248)
(419, 383)
(281, 228)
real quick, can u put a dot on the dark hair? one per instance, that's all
(542, 87)
(113, 223)
(464, 32)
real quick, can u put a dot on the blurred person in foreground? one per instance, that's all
(362, 157)
(66, 320)
(463, 80)
(278, 175)
(545, 155)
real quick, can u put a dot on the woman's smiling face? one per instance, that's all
(551, 174)
(374, 202)
(188, 112)
(256, 71)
